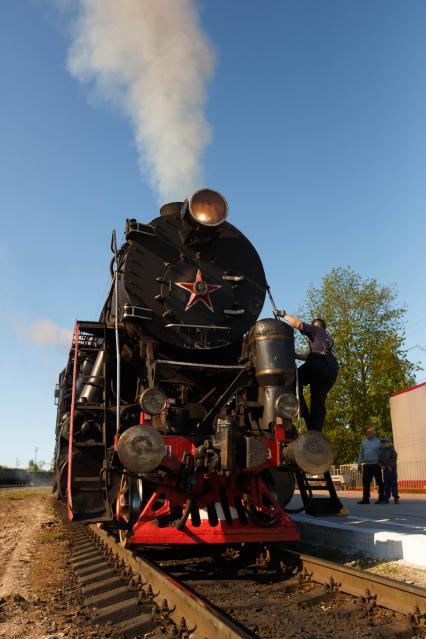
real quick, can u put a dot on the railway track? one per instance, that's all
(237, 595)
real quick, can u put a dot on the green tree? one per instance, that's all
(367, 325)
(34, 467)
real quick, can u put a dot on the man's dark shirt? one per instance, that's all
(320, 342)
(388, 457)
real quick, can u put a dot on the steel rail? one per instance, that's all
(375, 589)
(202, 619)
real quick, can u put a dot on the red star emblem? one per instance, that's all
(200, 291)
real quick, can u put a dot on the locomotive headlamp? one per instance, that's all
(208, 208)
(153, 401)
(286, 406)
(141, 449)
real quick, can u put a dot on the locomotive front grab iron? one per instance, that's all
(175, 409)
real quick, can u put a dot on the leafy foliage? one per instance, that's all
(367, 326)
(34, 467)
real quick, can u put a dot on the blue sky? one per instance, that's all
(317, 111)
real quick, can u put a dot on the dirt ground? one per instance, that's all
(39, 598)
(38, 595)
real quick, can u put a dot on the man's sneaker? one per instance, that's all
(396, 500)
(364, 501)
(381, 501)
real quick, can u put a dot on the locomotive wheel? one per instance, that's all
(262, 506)
(61, 479)
(281, 484)
(129, 504)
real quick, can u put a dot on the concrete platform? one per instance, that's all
(386, 532)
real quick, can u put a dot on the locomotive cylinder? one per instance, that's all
(311, 451)
(272, 344)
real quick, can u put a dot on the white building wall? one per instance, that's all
(408, 415)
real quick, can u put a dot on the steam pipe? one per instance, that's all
(117, 336)
(299, 412)
(182, 521)
(91, 388)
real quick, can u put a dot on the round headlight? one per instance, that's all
(286, 406)
(141, 449)
(208, 208)
(153, 401)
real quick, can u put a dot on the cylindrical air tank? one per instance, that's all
(272, 347)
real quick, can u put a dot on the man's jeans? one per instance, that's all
(391, 483)
(368, 472)
(321, 376)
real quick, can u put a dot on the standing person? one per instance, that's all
(388, 460)
(371, 453)
(319, 371)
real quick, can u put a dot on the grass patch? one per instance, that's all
(388, 569)
(51, 535)
(18, 494)
(12, 495)
(353, 560)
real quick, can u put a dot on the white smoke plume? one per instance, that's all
(45, 333)
(152, 59)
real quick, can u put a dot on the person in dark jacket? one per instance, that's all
(388, 459)
(319, 371)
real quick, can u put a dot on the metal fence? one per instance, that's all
(411, 475)
(352, 477)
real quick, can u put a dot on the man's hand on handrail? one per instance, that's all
(293, 321)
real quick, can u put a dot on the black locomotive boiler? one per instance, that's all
(176, 409)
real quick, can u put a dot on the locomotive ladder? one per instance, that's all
(87, 498)
(313, 504)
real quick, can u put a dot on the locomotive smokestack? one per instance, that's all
(171, 208)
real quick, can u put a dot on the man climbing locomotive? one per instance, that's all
(319, 371)
(176, 408)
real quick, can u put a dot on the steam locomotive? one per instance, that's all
(176, 409)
